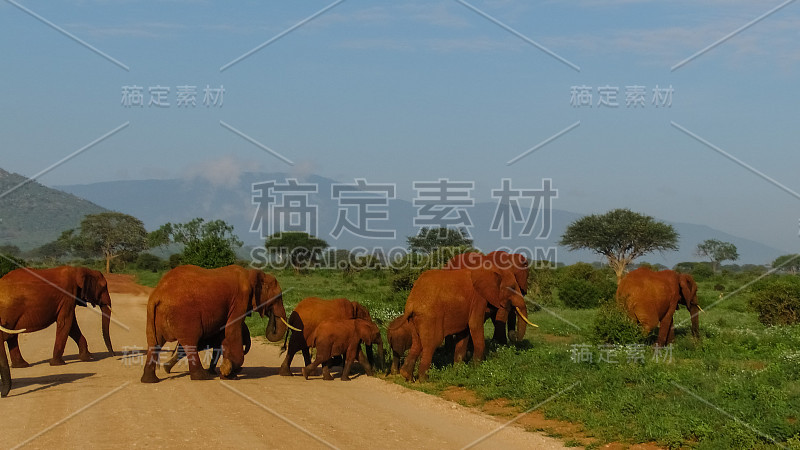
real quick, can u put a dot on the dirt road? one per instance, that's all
(103, 404)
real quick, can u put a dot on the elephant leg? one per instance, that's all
(407, 371)
(232, 352)
(216, 354)
(323, 356)
(80, 339)
(664, 328)
(349, 357)
(395, 362)
(5, 371)
(63, 327)
(365, 363)
(430, 339)
(150, 363)
(462, 342)
(196, 371)
(500, 331)
(478, 343)
(176, 356)
(326, 370)
(17, 361)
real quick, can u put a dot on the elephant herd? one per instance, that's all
(205, 308)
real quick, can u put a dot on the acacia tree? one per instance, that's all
(110, 234)
(205, 244)
(621, 236)
(787, 263)
(301, 249)
(430, 239)
(717, 251)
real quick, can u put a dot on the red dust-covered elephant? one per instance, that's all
(311, 312)
(342, 337)
(514, 263)
(33, 299)
(193, 305)
(454, 302)
(651, 298)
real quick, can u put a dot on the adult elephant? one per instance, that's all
(517, 265)
(311, 312)
(193, 305)
(651, 298)
(454, 302)
(32, 299)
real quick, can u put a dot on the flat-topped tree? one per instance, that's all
(717, 251)
(621, 236)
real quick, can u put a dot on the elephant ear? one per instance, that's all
(688, 288)
(256, 289)
(87, 287)
(487, 285)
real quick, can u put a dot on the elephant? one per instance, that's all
(517, 265)
(454, 302)
(651, 299)
(305, 318)
(399, 336)
(194, 305)
(341, 337)
(32, 299)
(214, 344)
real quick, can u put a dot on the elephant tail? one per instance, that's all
(285, 342)
(401, 321)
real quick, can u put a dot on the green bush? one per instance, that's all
(613, 326)
(150, 262)
(777, 302)
(579, 294)
(10, 263)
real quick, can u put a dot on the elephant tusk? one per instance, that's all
(6, 330)
(525, 318)
(701, 309)
(287, 324)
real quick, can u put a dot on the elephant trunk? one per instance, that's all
(518, 334)
(381, 366)
(275, 328)
(106, 323)
(695, 312)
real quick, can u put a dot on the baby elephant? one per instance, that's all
(399, 336)
(343, 337)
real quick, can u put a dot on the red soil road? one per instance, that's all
(102, 404)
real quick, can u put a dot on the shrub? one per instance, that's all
(150, 262)
(10, 263)
(580, 294)
(403, 280)
(175, 260)
(777, 302)
(613, 326)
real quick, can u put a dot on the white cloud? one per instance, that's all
(222, 172)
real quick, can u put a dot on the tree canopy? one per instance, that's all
(205, 244)
(301, 249)
(787, 263)
(620, 235)
(108, 234)
(717, 251)
(430, 239)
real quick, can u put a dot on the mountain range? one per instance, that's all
(32, 214)
(156, 202)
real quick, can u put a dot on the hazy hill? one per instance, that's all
(34, 214)
(158, 201)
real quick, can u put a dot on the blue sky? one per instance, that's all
(404, 91)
